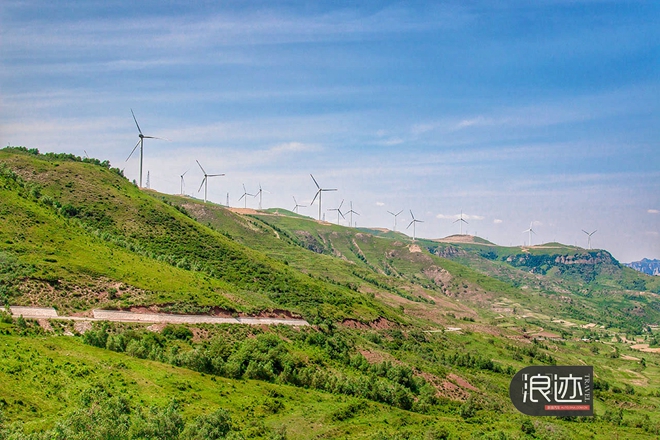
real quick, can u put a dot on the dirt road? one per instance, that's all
(116, 316)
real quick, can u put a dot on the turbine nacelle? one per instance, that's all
(319, 193)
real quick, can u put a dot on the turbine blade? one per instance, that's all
(585, 232)
(399, 212)
(391, 213)
(315, 196)
(200, 166)
(215, 175)
(342, 215)
(331, 189)
(201, 184)
(410, 223)
(457, 220)
(315, 182)
(412, 215)
(342, 202)
(184, 173)
(154, 137)
(138, 126)
(132, 151)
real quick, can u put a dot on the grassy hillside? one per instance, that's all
(412, 340)
(72, 222)
(338, 383)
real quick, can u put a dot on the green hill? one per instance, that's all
(410, 339)
(73, 224)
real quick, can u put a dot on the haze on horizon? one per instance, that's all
(519, 112)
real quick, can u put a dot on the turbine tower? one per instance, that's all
(461, 220)
(351, 212)
(339, 213)
(589, 234)
(259, 193)
(205, 181)
(141, 144)
(182, 182)
(296, 206)
(395, 216)
(531, 231)
(318, 194)
(244, 196)
(414, 220)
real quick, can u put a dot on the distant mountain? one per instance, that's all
(649, 267)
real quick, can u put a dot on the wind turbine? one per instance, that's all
(182, 182)
(141, 144)
(461, 220)
(395, 216)
(205, 181)
(531, 231)
(589, 239)
(318, 194)
(259, 194)
(351, 212)
(244, 196)
(295, 208)
(338, 211)
(414, 220)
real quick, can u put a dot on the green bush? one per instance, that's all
(209, 427)
(177, 332)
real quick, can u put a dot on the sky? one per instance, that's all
(515, 113)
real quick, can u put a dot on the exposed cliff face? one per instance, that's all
(649, 267)
(449, 252)
(601, 257)
(582, 265)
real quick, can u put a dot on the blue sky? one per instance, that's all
(519, 112)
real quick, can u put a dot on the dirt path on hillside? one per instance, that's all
(116, 316)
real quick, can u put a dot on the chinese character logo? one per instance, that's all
(553, 391)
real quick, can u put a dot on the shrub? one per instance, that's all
(209, 427)
(177, 332)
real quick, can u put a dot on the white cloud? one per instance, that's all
(390, 142)
(458, 216)
(478, 121)
(653, 211)
(497, 221)
(293, 147)
(380, 204)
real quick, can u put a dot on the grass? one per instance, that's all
(78, 235)
(81, 216)
(44, 375)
